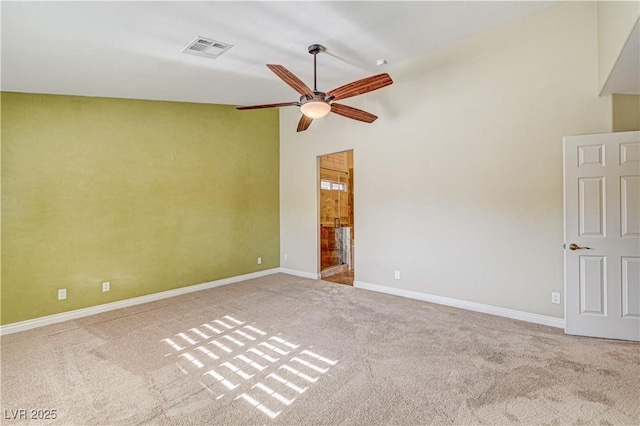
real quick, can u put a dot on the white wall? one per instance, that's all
(459, 182)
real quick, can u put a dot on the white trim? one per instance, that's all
(80, 313)
(303, 274)
(463, 304)
(457, 303)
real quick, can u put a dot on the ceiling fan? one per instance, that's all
(316, 104)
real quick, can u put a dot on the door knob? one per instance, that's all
(574, 246)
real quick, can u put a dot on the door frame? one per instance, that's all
(318, 204)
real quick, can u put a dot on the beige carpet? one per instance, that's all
(286, 350)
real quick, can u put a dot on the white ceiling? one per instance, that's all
(625, 76)
(132, 49)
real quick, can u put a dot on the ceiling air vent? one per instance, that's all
(206, 47)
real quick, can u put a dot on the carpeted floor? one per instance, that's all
(286, 350)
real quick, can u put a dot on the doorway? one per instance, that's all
(335, 185)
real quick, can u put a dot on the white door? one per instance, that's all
(602, 235)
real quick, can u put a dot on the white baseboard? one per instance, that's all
(303, 274)
(457, 303)
(80, 313)
(463, 304)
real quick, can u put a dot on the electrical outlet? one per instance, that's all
(259, 261)
(285, 256)
(555, 298)
(106, 286)
(397, 275)
(62, 293)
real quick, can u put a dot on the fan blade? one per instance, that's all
(268, 106)
(289, 78)
(360, 87)
(304, 123)
(354, 113)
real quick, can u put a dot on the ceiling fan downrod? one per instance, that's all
(314, 49)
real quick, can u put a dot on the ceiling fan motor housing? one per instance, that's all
(317, 96)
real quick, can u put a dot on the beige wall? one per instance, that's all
(625, 113)
(616, 20)
(150, 196)
(470, 202)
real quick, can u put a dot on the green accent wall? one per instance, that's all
(148, 195)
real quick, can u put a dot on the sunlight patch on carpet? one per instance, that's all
(240, 361)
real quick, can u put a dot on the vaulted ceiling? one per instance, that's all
(133, 49)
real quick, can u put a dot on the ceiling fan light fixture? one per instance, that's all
(315, 109)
